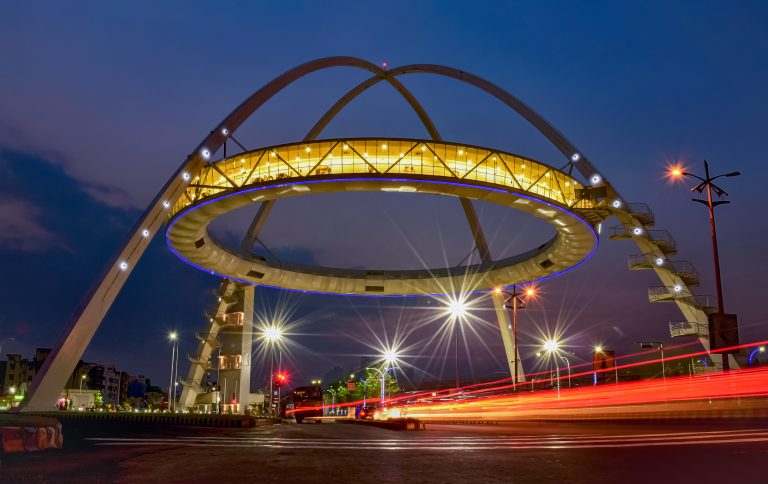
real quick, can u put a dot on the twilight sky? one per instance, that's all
(99, 103)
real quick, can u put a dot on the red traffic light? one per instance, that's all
(281, 378)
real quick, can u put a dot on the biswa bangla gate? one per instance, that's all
(574, 199)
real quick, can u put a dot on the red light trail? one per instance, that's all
(502, 400)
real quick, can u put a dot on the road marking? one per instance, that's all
(452, 442)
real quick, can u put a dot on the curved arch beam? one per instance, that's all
(241, 113)
(554, 136)
(322, 123)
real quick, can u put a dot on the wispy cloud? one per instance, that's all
(21, 228)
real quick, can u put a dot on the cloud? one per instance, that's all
(21, 228)
(108, 195)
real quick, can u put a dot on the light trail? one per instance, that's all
(487, 401)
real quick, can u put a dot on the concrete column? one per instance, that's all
(249, 293)
(505, 328)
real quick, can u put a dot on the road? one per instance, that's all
(699, 452)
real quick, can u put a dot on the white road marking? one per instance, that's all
(453, 442)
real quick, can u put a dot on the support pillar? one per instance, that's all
(511, 351)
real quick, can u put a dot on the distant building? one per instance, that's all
(107, 380)
(19, 373)
(113, 385)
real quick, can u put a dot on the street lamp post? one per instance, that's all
(707, 183)
(598, 349)
(382, 377)
(173, 337)
(457, 312)
(514, 301)
(552, 349)
(273, 335)
(568, 365)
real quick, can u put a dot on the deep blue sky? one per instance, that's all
(100, 102)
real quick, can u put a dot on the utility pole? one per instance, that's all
(514, 301)
(706, 183)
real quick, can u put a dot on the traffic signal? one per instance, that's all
(280, 379)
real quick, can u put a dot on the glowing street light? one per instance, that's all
(457, 310)
(706, 184)
(390, 357)
(173, 337)
(273, 334)
(552, 348)
(12, 390)
(551, 345)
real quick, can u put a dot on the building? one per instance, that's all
(97, 383)
(107, 380)
(19, 373)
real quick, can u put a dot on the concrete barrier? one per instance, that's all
(29, 434)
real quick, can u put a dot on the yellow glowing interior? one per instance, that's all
(382, 156)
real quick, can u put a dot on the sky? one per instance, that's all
(101, 102)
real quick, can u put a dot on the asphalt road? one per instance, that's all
(699, 452)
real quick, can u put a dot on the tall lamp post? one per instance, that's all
(457, 312)
(552, 349)
(272, 335)
(514, 301)
(706, 183)
(173, 337)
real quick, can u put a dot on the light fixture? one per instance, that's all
(637, 231)
(461, 152)
(206, 153)
(173, 335)
(575, 157)
(384, 146)
(123, 265)
(659, 261)
(166, 204)
(616, 203)
(595, 179)
(456, 308)
(225, 131)
(551, 345)
(185, 176)
(677, 288)
(307, 149)
(145, 233)
(390, 356)
(598, 348)
(273, 334)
